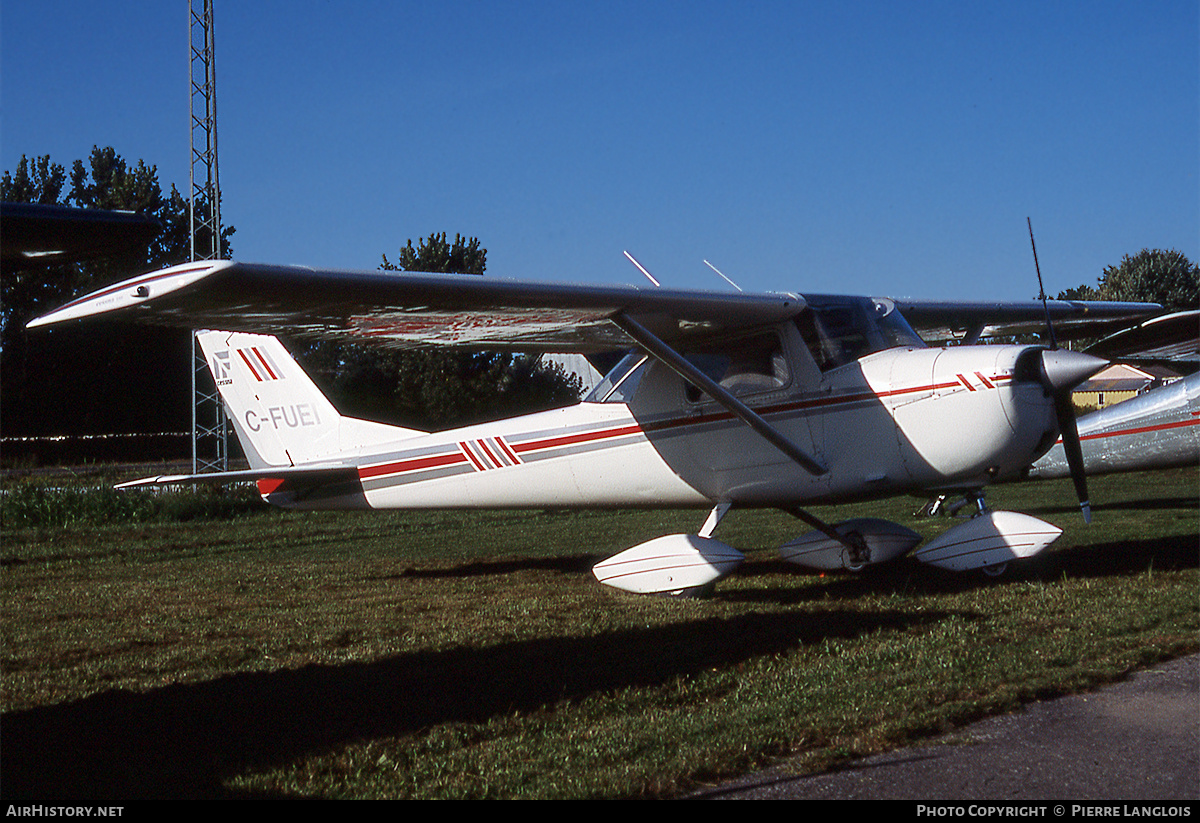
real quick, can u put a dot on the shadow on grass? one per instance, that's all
(1108, 559)
(1169, 553)
(181, 740)
(504, 565)
(1150, 504)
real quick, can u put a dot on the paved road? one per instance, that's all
(1136, 740)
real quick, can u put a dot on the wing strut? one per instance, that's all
(678, 363)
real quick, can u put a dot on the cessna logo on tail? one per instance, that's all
(220, 368)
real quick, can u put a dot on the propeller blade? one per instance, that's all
(1064, 409)
(1062, 371)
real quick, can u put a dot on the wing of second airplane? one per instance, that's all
(409, 309)
(1172, 337)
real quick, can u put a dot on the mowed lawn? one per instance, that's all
(229, 650)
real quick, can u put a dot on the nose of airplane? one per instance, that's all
(1065, 370)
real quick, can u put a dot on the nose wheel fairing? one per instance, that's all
(988, 541)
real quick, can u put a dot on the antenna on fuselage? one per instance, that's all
(723, 277)
(642, 269)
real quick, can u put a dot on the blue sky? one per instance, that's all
(864, 147)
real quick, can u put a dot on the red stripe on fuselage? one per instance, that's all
(574, 439)
(472, 457)
(1179, 424)
(507, 450)
(411, 464)
(496, 462)
(514, 450)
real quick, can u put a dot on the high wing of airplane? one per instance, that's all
(1167, 338)
(723, 401)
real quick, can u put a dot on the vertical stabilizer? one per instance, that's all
(280, 416)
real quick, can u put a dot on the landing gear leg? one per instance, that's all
(976, 497)
(933, 508)
(938, 505)
(714, 517)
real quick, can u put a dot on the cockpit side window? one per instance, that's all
(894, 328)
(745, 366)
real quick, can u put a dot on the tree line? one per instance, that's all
(102, 378)
(107, 378)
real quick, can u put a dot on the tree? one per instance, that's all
(1154, 276)
(99, 378)
(437, 388)
(1150, 276)
(42, 184)
(1081, 293)
(436, 255)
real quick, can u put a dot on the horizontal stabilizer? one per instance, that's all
(313, 473)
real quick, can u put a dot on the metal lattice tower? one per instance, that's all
(209, 431)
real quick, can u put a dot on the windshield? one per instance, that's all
(840, 330)
(619, 385)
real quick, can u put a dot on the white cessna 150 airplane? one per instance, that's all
(724, 400)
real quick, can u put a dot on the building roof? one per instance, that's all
(1123, 377)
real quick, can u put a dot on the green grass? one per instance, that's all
(205, 650)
